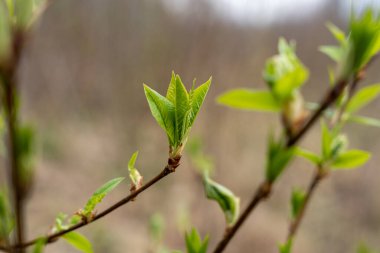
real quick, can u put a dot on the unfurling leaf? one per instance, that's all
(284, 73)
(297, 201)
(363, 97)
(338, 34)
(247, 99)
(98, 196)
(350, 159)
(24, 12)
(278, 157)
(228, 202)
(78, 241)
(134, 174)
(176, 112)
(194, 243)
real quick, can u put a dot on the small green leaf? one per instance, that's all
(248, 99)
(363, 97)
(194, 243)
(182, 109)
(287, 247)
(278, 157)
(364, 120)
(364, 37)
(98, 196)
(197, 97)
(134, 174)
(6, 217)
(351, 159)
(297, 201)
(40, 245)
(163, 111)
(308, 155)
(79, 242)
(334, 52)
(228, 202)
(338, 34)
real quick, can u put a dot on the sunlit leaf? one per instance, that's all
(334, 52)
(351, 159)
(363, 97)
(286, 248)
(338, 34)
(163, 111)
(248, 99)
(79, 242)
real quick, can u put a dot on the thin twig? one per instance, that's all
(170, 168)
(318, 176)
(327, 101)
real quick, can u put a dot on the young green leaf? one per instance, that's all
(40, 245)
(334, 52)
(364, 120)
(163, 111)
(278, 157)
(308, 155)
(228, 202)
(363, 248)
(79, 242)
(197, 97)
(194, 243)
(287, 247)
(284, 73)
(134, 174)
(350, 159)
(338, 34)
(364, 38)
(99, 194)
(176, 113)
(363, 97)
(297, 201)
(247, 99)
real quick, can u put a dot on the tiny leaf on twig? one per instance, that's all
(194, 243)
(351, 159)
(297, 201)
(99, 194)
(78, 241)
(134, 174)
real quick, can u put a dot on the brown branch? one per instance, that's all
(317, 178)
(170, 168)
(8, 77)
(327, 101)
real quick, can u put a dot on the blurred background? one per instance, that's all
(81, 80)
